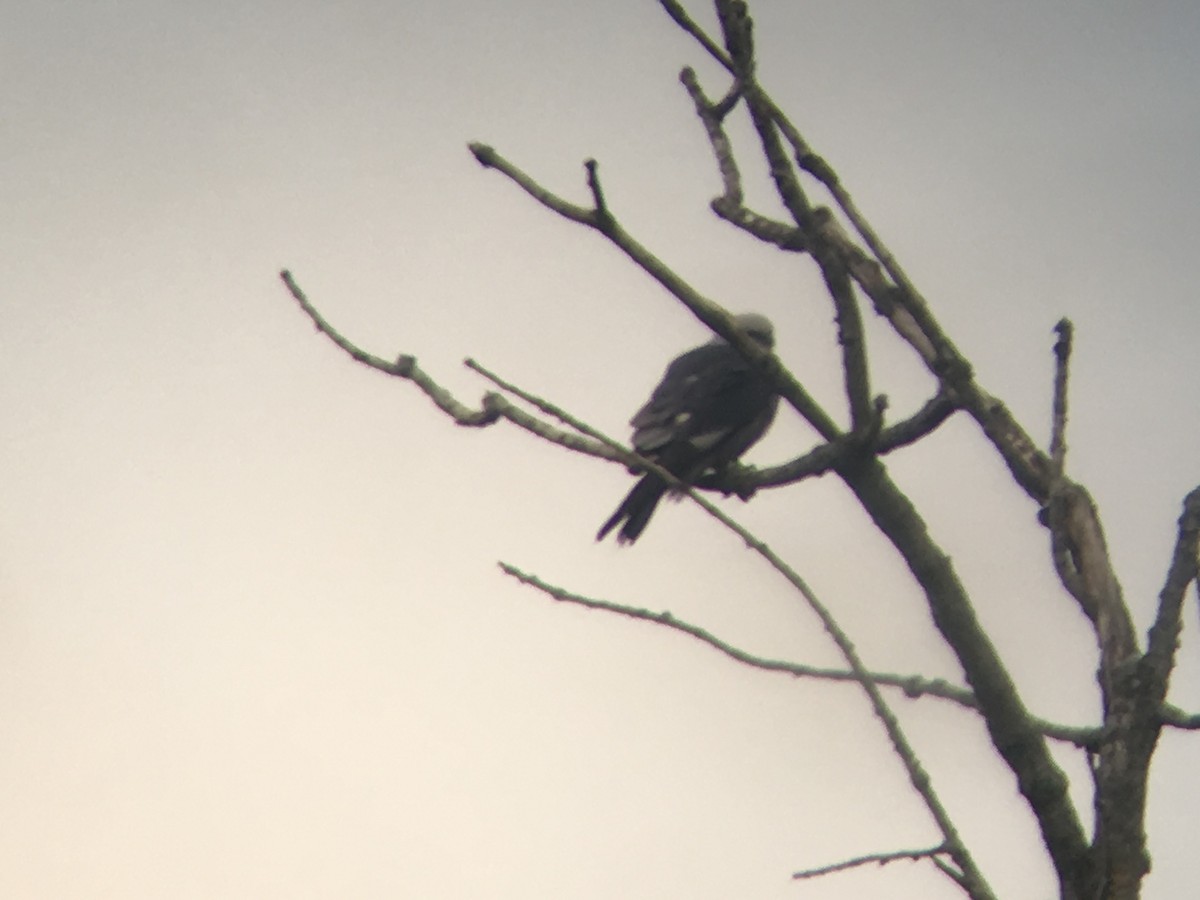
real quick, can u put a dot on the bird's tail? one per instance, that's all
(635, 510)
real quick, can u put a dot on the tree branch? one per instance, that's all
(950, 872)
(924, 421)
(912, 686)
(1013, 731)
(730, 205)
(1054, 515)
(492, 409)
(684, 21)
(711, 116)
(1163, 641)
(825, 458)
(978, 887)
(1134, 715)
(1076, 524)
(1133, 685)
(1058, 427)
(1010, 726)
(894, 296)
(616, 450)
(490, 159)
(881, 858)
(738, 30)
(1175, 717)
(404, 367)
(708, 312)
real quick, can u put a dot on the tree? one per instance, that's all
(1109, 859)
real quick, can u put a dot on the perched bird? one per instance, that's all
(709, 408)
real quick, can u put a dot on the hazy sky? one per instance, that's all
(253, 642)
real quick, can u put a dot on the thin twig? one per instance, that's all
(684, 21)
(918, 777)
(490, 159)
(912, 686)
(404, 367)
(550, 409)
(711, 117)
(492, 409)
(951, 872)
(1058, 427)
(603, 217)
(880, 858)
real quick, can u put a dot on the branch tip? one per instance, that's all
(484, 155)
(1058, 424)
(1065, 331)
(593, 180)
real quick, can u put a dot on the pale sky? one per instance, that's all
(253, 641)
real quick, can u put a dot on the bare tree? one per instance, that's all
(1108, 860)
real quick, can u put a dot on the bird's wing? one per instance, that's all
(710, 406)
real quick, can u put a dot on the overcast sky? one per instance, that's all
(253, 641)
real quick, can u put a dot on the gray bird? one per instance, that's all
(709, 408)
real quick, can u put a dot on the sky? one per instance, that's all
(253, 639)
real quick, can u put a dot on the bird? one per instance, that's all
(711, 406)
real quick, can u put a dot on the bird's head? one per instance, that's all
(758, 328)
